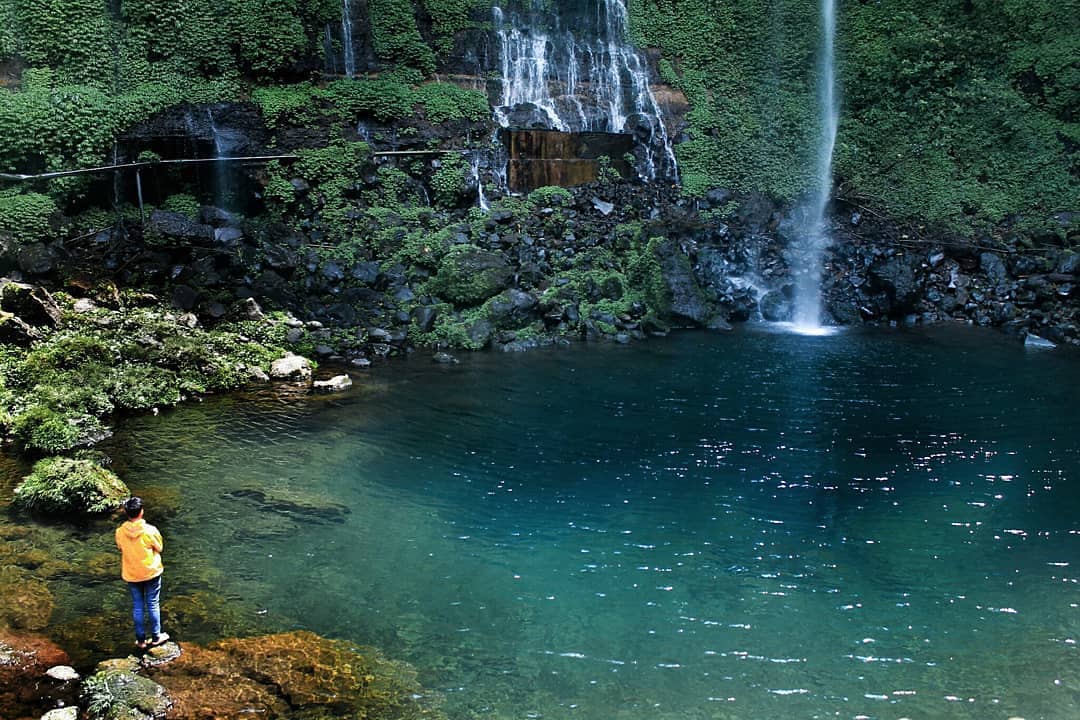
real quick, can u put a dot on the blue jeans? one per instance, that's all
(146, 594)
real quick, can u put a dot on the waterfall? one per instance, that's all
(812, 241)
(348, 50)
(579, 74)
(474, 173)
(222, 147)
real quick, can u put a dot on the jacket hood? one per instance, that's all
(133, 528)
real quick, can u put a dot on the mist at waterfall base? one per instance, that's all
(751, 525)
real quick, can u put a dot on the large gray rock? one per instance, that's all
(511, 308)
(776, 306)
(291, 367)
(36, 259)
(1070, 264)
(15, 331)
(994, 267)
(424, 317)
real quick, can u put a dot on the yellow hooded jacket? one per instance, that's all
(140, 548)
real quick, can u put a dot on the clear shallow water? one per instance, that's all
(751, 525)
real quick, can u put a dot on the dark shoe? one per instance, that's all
(142, 644)
(160, 639)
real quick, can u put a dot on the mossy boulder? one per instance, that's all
(59, 485)
(469, 275)
(117, 692)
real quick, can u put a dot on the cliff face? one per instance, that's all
(954, 171)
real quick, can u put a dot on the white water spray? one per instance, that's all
(348, 50)
(808, 252)
(586, 78)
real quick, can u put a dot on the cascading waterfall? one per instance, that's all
(474, 174)
(222, 149)
(348, 50)
(813, 237)
(576, 80)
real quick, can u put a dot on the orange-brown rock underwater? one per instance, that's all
(294, 675)
(25, 688)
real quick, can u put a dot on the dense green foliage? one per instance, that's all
(960, 114)
(449, 17)
(397, 37)
(54, 396)
(956, 113)
(26, 217)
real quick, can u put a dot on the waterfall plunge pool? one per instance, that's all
(750, 525)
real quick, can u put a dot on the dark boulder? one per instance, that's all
(15, 331)
(424, 317)
(994, 267)
(896, 276)
(172, 226)
(776, 306)
(36, 259)
(469, 275)
(686, 301)
(34, 304)
(511, 308)
(366, 272)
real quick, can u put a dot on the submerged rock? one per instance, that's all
(296, 674)
(25, 686)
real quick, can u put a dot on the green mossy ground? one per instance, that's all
(57, 394)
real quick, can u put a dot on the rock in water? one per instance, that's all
(66, 713)
(1034, 341)
(291, 367)
(63, 673)
(161, 654)
(338, 383)
(116, 690)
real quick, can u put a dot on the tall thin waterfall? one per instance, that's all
(225, 144)
(808, 252)
(348, 51)
(579, 74)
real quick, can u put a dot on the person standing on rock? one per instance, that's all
(140, 549)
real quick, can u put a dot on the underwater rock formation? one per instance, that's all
(295, 674)
(25, 688)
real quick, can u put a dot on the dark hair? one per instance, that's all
(133, 507)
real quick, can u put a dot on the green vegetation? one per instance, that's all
(956, 114)
(55, 395)
(397, 38)
(449, 17)
(70, 485)
(26, 217)
(447, 181)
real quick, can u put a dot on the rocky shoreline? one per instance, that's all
(293, 674)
